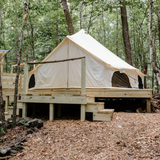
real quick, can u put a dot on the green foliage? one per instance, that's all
(2, 132)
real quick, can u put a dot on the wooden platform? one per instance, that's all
(83, 96)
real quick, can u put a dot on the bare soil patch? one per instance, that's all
(128, 136)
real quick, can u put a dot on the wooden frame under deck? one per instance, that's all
(73, 96)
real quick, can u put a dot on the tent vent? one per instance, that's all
(120, 80)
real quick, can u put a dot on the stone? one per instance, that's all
(13, 151)
(40, 123)
(4, 150)
(35, 123)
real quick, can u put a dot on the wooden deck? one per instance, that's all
(87, 101)
(83, 96)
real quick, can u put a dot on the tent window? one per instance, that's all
(32, 81)
(140, 84)
(120, 80)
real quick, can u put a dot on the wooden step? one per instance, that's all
(94, 106)
(7, 116)
(106, 111)
(90, 99)
(10, 110)
(19, 105)
(103, 115)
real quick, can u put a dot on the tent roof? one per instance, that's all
(84, 40)
(88, 43)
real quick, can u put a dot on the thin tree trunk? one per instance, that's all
(16, 33)
(159, 29)
(5, 57)
(2, 118)
(18, 68)
(104, 30)
(117, 35)
(32, 39)
(90, 19)
(2, 110)
(152, 60)
(80, 15)
(68, 17)
(57, 41)
(126, 39)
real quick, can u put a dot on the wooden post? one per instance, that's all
(83, 112)
(24, 111)
(83, 76)
(51, 111)
(12, 69)
(148, 105)
(7, 103)
(25, 79)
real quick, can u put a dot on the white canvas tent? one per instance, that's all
(100, 65)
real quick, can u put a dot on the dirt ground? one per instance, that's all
(128, 136)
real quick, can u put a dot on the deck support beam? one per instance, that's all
(148, 105)
(24, 111)
(83, 112)
(51, 111)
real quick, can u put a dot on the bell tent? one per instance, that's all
(103, 68)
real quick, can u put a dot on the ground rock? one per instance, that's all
(4, 150)
(35, 123)
(13, 151)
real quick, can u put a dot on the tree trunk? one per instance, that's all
(126, 39)
(152, 60)
(159, 28)
(90, 19)
(5, 57)
(117, 35)
(80, 15)
(18, 68)
(68, 17)
(2, 110)
(32, 35)
(104, 30)
(2, 118)
(16, 36)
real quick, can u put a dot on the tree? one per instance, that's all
(68, 17)
(18, 66)
(152, 59)
(125, 30)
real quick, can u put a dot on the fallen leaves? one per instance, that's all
(127, 136)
